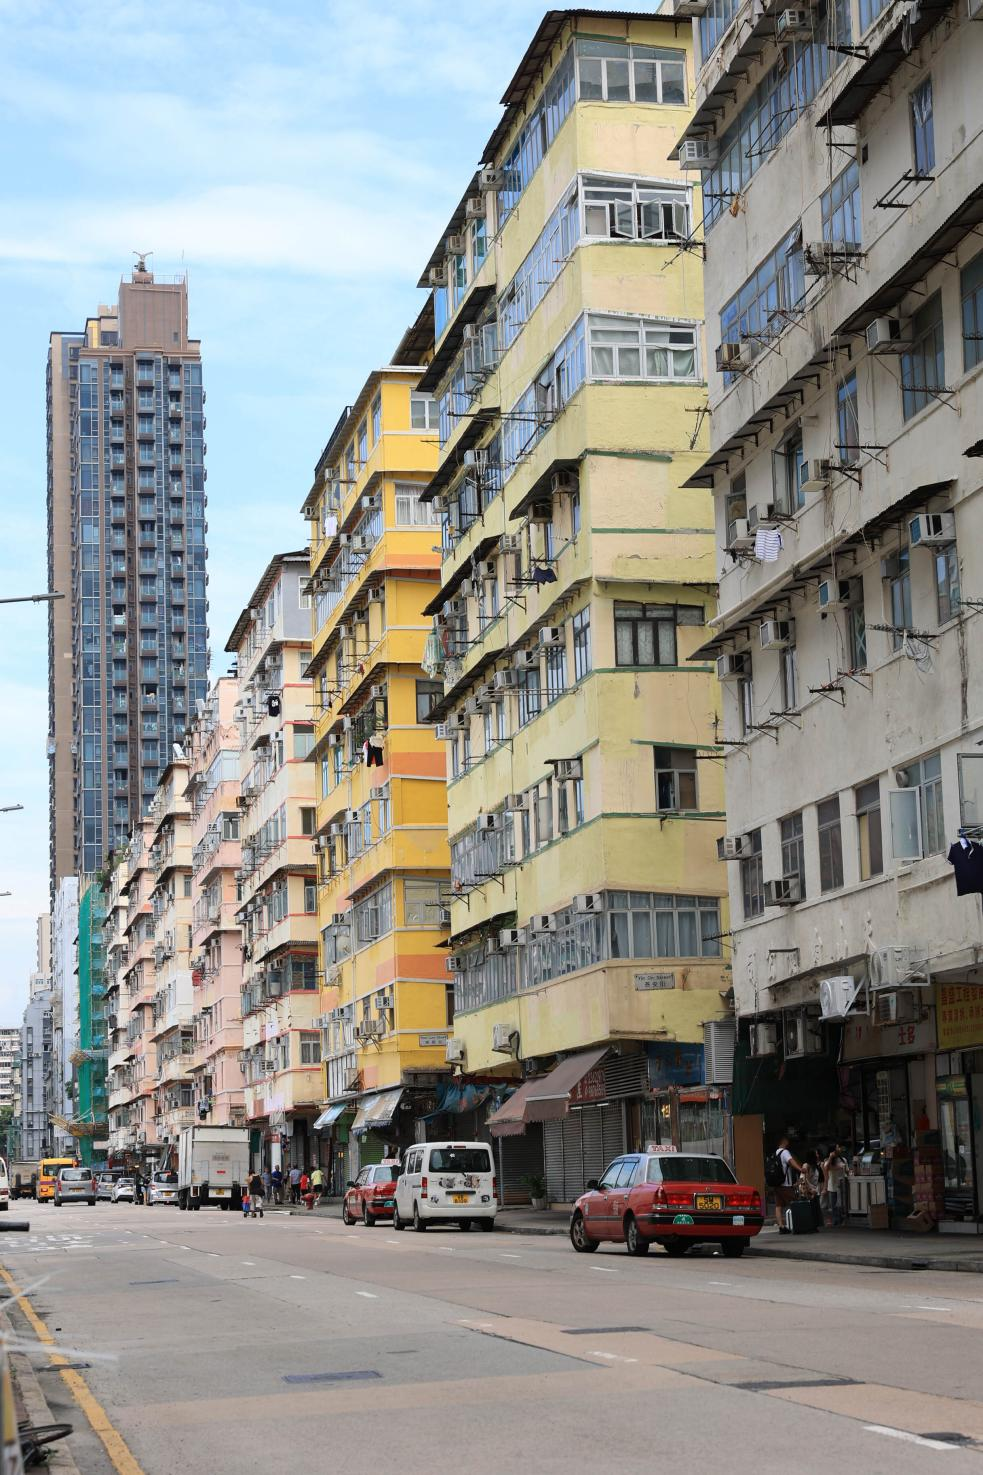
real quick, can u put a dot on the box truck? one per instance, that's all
(213, 1164)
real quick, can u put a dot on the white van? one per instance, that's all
(446, 1182)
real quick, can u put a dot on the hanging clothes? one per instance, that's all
(273, 704)
(966, 859)
(768, 544)
(543, 576)
(373, 755)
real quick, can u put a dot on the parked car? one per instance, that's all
(124, 1191)
(674, 1199)
(446, 1183)
(75, 1185)
(162, 1188)
(373, 1194)
(105, 1183)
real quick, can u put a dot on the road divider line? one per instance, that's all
(115, 1445)
(909, 1438)
(603, 1269)
(369, 1295)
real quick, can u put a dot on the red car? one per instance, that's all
(669, 1198)
(373, 1194)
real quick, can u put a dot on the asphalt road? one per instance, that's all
(219, 1345)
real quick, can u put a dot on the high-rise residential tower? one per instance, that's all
(127, 646)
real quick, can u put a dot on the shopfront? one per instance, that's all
(959, 1088)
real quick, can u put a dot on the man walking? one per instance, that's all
(257, 1194)
(785, 1190)
(317, 1181)
(295, 1185)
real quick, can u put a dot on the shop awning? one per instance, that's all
(330, 1116)
(376, 1111)
(454, 1099)
(571, 1081)
(510, 1120)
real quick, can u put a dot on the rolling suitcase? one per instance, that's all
(800, 1216)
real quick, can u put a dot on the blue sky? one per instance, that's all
(298, 160)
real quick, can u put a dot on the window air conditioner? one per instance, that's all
(506, 680)
(793, 25)
(932, 529)
(884, 336)
(336, 829)
(346, 724)
(835, 591)
(322, 842)
(458, 721)
(589, 901)
(697, 153)
(377, 594)
(454, 1050)
(483, 699)
(761, 516)
(511, 937)
(489, 571)
(504, 1038)
(443, 916)
(733, 666)
(516, 802)
(510, 543)
(444, 733)
(733, 847)
(837, 996)
(776, 634)
(379, 792)
(491, 179)
(437, 275)
(564, 483)
(730, 356)
(376, 693)
(801, 1035)
(568, 768)
(456, 245)
(887, 967)
(475, 208)
(897, 1007)
(525, 660)
(349, 816)
(551, 635)
(784, 892)
(817, 476)
(489, 823)
(454, 963)
(739, 536)
(764, 1038)
(542, 922)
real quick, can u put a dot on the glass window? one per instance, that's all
(639, 348)
(971, 295)
(410, 511)
(675, 779)
(830, 845)
(857, 631)
(947, 582)
(376, 418)
(923, 366)
(899, 594)
(869, 841)
(923, 127)
(643, 925)
(556, 671)
(917, 827)
(676, 1168)
(363, 443)
(745, 705)
(760, 310)
(841, 208)
(530, 694)
(423, 411)
(644, 634)
(848, 420)
(581, 643)
(310, 1047)
(427, 694)
(421, 903)
(303, 740)
(788, 669)
(793, 850)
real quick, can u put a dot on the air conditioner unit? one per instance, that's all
(551, 635)
(377, 594)
(733, 847)
(504, 1038)
(817, 476)
(764, 1038)
(899, 1006)
(697, 153)
(801, 1035)
(564, 483)
(334, 739)
(370, 1029)
(483, 699)
(346, 724)
(525, 660)
(761, 516)
(339, 919)
(444, 733)
(835, 591)
(385, 1001)
(454, 1052)
(733, 666)
(489, 823)
(443, 916)
(784, 892)
(776, 634)
(506, 680)
(511, 937)
(688, 9)
(491, 179)
(516, 802)
(542, 922)
(475, 208)
(739, 536)
(349, 816)
(883, 335)
(730, 357)
(719, 1041)
(837, 996)
(887, 967)
(455, 245)
(489, 571)
(458, 721)
(932, 529)
(510, 543)
(454, 963)
(437, 275)
(793, 25)
(589, 901)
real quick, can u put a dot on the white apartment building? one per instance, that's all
(842, 166)
(10, 1043)
(64, 968)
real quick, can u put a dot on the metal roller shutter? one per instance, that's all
(519, 1157)
(580, 1146)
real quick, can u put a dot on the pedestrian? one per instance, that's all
(781, 1174)
(295, 1185)
(317, 1181)
(810, 1185)
(307, 1190)
(256, 1195)
(835, 1170)
(267, 1182)
(245, 1201)
(276, 1183)
(138, 1187)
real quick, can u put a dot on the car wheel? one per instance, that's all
(418, 1224)
(488, 1225)
(675, 1248)
(367, 1218)
(466, 1224)
(224, 1208)
(579, 1237)
(346, 1214)
(92, 1203)
(733, 1249)
(634, 1238)
(397, 1221)
(57, 1203)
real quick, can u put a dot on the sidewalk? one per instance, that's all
(885, 1248)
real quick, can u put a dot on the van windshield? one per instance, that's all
(460, 1160)
(75, 1175)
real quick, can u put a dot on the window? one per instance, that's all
(373, 916)
(310, 1047)
(644, 634)
(421, 903)
(830, 844)
(788, 668)
(427, 694)
(790, 472)
(363, 443)
(856, 624)
(675, 778)
(610, 71)
(640, 348)
(923, 366)
(869, 843)
(917, 825)
(745, 704)
(923, 127)
(759, 311)
(310, 897)
(947, 582)
(735, 506)
(793, 850)
(540, 268)
(971, 295)
(752, 878)
(898, 580)
(530, 695)
(410, 511)
(376, 418)
(614, 209)
(308, 818)
(303, 740)
(841, 208)
(581, 643)
(556, 672)
(643, 925)
(423, 411)
(479, 244)
(848, 420)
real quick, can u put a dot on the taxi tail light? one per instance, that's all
(744, 1198)
(672, 1198)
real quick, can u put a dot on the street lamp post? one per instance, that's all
(31, 598)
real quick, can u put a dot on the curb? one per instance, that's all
(879, 1262)
(30, 1395)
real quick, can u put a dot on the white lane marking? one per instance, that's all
(930, 1308)
(369, 1295)
(249, 1262)
(612, 1357)
(214, 1254)
(298, 1277)
(506, 1255)
(392, 1241)
(909, 1438)
(604, 1269)
(720, 1282)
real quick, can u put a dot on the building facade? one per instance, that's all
(277, 911)
(381, 811)
(578, 576)
(10, 1045)
(216, 941)
(89, 1052)
(133, 1136)
(170, 862)
(126, 546)
(842, 156)
(40, 1076)
(64, 981)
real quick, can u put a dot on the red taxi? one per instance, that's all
(373, 1194)
(669, 1198)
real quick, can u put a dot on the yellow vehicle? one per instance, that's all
(47, 1175)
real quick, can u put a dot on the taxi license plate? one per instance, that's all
(459, 1198)
(709, 1201)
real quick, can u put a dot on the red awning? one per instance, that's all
(509, 1120)
(550, 1098)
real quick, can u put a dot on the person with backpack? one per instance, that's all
(781, 1175)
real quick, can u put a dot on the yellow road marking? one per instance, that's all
(113, 1442)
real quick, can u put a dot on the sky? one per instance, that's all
(298, 161)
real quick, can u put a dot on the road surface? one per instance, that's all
(223, 1346)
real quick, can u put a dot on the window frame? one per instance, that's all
(674, 771)
(791, 836)
(665, 615)
(867, 806)
(752, 878)
(829, 826)
(921, 107)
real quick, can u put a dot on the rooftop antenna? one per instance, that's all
(141, 257)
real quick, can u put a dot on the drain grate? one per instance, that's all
(600, 1331)
(765, 1385)
(353, 1377)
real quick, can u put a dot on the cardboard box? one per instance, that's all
(920, 1222)
(878, 1217)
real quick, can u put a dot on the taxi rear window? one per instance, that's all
(681, 1168)
(386, 1173)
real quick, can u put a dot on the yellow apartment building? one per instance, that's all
(381, 808)
(578, 576)
(277, 912)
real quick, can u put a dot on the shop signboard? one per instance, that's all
(590, 1087)
(672, 1064)
(959, 1015)
(865, 1040)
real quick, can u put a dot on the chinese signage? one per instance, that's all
(655, 980)
(437, 1040)
(865, 1040)
(591, 1087)
(674, 1065)
(959, 1015)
